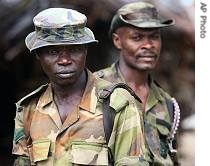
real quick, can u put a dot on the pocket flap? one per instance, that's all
(41, 149)
(88, 153)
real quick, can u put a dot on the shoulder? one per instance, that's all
(101, 83)
(31, 96)
(106, 88)
(118, 95)
(106, 72)
(121, 98)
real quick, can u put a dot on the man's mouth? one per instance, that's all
(147, 56)
(65, 74)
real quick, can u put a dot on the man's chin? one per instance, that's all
(65, 82)
(146, 68)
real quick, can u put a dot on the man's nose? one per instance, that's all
(147, 43)
(64, 58)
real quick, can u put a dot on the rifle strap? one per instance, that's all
(109, 113)
(170, 107)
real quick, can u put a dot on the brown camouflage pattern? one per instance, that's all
(59, 26)
(80, 139)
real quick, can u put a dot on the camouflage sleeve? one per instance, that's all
(19, 142)
(127, 141)
(22, 161)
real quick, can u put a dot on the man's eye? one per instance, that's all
(53, 52)
(75, 50)
(155, 36)
(78, 49)
(136, 38)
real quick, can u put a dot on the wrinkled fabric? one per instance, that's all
(157, 123)
(41, 137)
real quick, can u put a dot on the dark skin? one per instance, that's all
(139, 53)
(64, 65)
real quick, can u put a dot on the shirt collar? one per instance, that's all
(155, 89)
(46, 98)
(115, 68)
(88, 96)
(154, 92)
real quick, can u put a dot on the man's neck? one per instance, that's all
(66, 91)
(138, 81)
(67, 98)
(134, 76)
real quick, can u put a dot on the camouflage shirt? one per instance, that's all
(156, 117)
(41, 139)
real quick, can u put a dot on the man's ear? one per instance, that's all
(116, 40)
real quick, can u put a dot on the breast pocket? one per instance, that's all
(88, 153)
(41, 149)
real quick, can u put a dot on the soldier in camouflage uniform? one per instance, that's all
(61, 123)
(135, 32)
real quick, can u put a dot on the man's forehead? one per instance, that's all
(132, 29)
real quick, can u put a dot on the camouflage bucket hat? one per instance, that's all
(59, 26)
(140, 15)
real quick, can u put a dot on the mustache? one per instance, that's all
(146, 53)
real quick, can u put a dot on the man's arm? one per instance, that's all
(20, 150)
(127, 140)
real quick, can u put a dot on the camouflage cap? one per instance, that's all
(140, 15)
(59, 26)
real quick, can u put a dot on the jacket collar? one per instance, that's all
(154, 92)
(88, 96)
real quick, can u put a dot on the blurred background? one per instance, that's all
(20, 73)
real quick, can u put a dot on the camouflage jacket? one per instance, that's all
(156, 117)
(41, 139)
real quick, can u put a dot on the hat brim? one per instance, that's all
(33, 42)
(158, 23)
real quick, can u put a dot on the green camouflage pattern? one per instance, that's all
(59, 26)
(60, 34)
(156, 117)
(41, 137)
(140, 15)
(22, 161)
